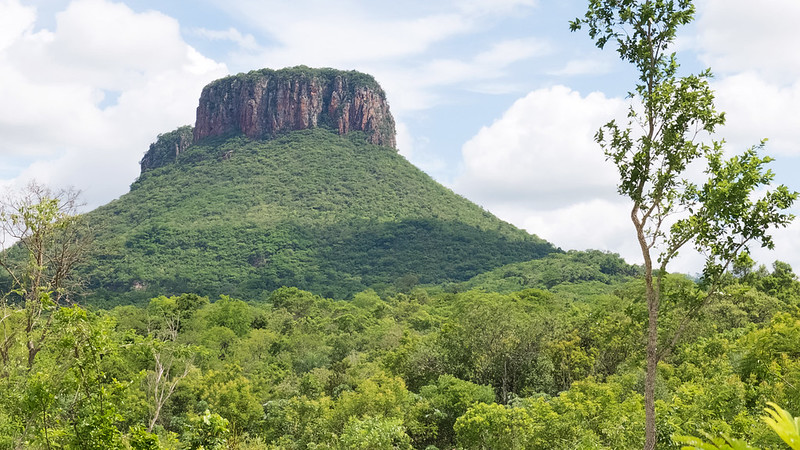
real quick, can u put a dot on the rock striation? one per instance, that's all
(260, 104)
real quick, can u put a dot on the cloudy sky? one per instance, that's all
(493, 98)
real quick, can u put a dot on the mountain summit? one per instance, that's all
(263, 103)
(290, 177)
(266, 102)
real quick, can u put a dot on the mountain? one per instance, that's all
(290, 177)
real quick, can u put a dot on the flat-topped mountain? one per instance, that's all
(265, 102)
(290, 177)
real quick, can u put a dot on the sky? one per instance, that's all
(495, 99)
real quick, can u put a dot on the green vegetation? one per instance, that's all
(722, 215)
(556, 269)
(534, 369)
(558, 367)
(330, 214)
(416, 319)
(358, 79)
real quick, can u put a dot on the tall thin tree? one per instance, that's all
(721, 215)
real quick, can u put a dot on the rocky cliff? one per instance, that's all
(167, 148)
(263, 103)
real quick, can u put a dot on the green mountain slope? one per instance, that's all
(328, 213)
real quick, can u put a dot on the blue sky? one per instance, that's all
(493, 98)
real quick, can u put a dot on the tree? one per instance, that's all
(653, 152)
(172, 360)
(47, 239)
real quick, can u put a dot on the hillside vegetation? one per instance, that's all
(327, 213)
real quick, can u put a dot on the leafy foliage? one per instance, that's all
(533, 369)
(327, 213)
(786, 426)
(653, 152)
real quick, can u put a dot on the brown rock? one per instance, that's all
(167, 148)
(263, 103)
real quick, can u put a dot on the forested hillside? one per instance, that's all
(327, 213)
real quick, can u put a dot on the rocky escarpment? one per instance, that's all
(263, 103)
(167, 148)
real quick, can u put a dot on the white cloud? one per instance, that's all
(539, 168)
(738, 35)
(87, 97)
(418, 87)
(787, 247)
(415, 150)
(541, 152)
(399, 44)
(488, 64)
(247, 42)
(583, 67)
(513, 50)
(753, 51)
(756, 109)
(493, 7)
(14, 21)
(336, 36)
(602, 224)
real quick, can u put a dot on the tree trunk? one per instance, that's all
(652, 368)
(33, 350)
(652, 334)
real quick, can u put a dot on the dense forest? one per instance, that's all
(556, 365)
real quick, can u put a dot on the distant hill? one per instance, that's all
(554, 270)
(322, 202)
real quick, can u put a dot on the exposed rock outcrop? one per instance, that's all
(263, 103)
(167, 148)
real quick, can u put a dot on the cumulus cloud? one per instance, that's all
(15, 20)
(538, 167)
(752, 51)
(787, 247)
(541, 153)
(756, 109)
(736, 36)
(594, 223)
(87, 97)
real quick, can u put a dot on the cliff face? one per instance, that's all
(261, 104)
(167, 148)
